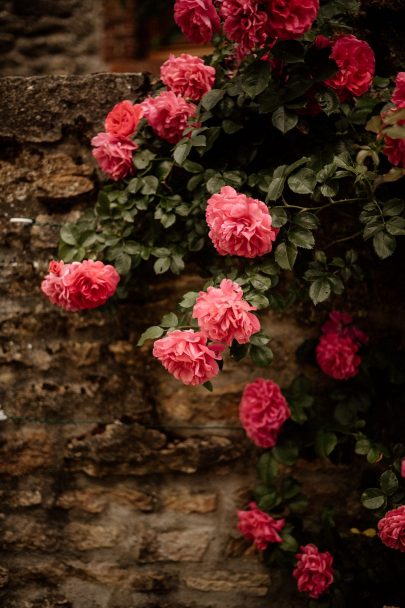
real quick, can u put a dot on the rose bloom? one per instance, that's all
(342, 323)
(244, 23)
(337, 356)
(240, 225)
(187, 76)
(398, 96)
(403, 467)
(394, 149)
(123, 118)
(289, 19)
(314, 572)
(391, 529)
(197, 19)
(263, 410)
(114, 154)
(80, 285)
(187, 356)
(223, 315)
(258, 526)
(356, 63)
(168, 115)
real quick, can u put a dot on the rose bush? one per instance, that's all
(273, 167)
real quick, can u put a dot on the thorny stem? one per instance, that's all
(346, 238)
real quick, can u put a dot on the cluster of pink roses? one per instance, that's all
(223, 316)
(313, 571)
(336, 352)
(80, 285)
(186, 78)
(394, 149)
(248, 23)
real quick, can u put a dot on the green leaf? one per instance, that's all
(306, 220)
(362, 446)
(285, 255)
(192, 167)
(143, 159)
(177, 264)
(189, 299)
(275, 189)
(152, 333)
(208, 386)
(215, 183)
(395, 226)
(320, 290)
(122, 263)
(67, 235)
(267, 468)
(373, 498)
(328, 101)
(278, 216)
(161, 265)
(302, 182)
(211, 98)
(268, 501)
(389, 483)
(256, 78)
(393, 207)
(181, 152)
(325, 443)
(384, 244)
(150, 185)
(283, 120)
(261, 355)
(230, 127)
(287, 455)
(289, 543)
(169, 320)
(302, 238)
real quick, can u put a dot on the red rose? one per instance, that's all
(356, 63)
(289, 19)
(123, 118)
(197, 19)
(313, 571)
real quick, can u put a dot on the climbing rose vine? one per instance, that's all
(272, 167)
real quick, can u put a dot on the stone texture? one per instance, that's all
(42, 37)
(107, 502)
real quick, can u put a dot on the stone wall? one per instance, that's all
(50, 36)
(119, 487)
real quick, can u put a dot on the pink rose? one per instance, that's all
(223, 315)
(197, 19)
(398, 96)
(80, 285)
(244, 23)
(403, 467)
(240, 225)
(186, 355)
(341, 323)
(356, 63)
(263, 411)
(168, 115)
(123, 118)
(53, 285)
(260, 527)
(391, 529)
(114, 154)
(289, 19)
(187, 76)
(336, 356)
(314, 572)
(394, 149)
